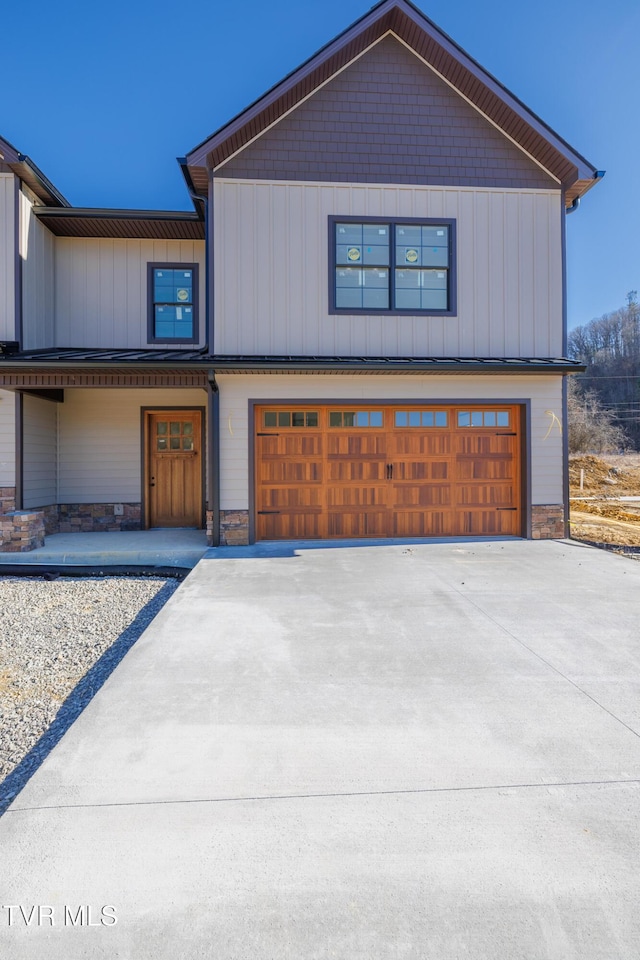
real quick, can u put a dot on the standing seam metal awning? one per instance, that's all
(78, 367)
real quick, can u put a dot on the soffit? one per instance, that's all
(128, 224)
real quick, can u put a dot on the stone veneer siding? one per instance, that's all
(234, 528)
(209, 528)
(50, 519)
(7, 499)
(96, 517)
(21, 530)
(547, 522)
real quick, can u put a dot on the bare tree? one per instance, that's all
(592, 428)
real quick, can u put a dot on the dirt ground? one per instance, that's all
(597, 513)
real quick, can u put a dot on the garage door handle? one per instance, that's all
(506, 434)
(389, 471)
(262, 512)
(506, 508)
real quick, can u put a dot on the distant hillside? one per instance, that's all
(610, 347)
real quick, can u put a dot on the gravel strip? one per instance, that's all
(53, 634)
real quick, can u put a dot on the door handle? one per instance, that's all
(389, 471)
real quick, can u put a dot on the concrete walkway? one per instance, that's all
(162, 547)
(419, 751)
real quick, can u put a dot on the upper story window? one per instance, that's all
(173, 302)
(392, 266)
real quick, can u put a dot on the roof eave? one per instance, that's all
(198, 200)
(35, 179)
(8, 153)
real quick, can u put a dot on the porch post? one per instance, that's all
(19, 450)
(213, 461)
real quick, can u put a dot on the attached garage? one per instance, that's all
(385, 469)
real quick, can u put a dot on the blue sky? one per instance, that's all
(104, 97)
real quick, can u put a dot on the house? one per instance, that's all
(359, 330)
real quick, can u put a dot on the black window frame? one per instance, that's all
(392, 223)
(151, 303)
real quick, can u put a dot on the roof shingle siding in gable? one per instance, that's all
(387, 119)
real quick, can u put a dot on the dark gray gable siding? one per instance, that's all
(387, 119)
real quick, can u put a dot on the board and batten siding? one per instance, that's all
(101, 289)
(271, 249)
(100, 441)
(37, 250)
(7, 257)
(39, 452)
(7, 439)
(544, 393)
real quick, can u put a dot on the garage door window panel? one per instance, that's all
(421, 418)
(289, 418)
(484, 418)
(359, 418)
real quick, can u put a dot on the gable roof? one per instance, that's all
(402, 19)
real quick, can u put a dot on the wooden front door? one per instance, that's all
(388, 471)
(174, 468)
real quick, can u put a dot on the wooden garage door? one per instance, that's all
(387, 471)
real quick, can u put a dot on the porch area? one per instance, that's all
(112, 464)
(135, 548)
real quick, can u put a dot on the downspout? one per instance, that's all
(201, 203)
(565, 417)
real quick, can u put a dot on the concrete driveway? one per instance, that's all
(427, 751)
